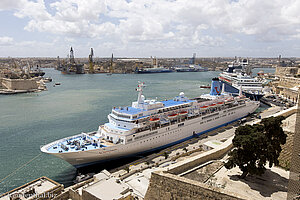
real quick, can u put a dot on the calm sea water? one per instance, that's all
(80, 104)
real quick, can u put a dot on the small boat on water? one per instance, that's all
(205, 86)
(47, 79)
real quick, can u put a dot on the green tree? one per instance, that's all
(255, 145)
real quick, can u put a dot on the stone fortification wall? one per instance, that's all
(201, 158)
(294, 179)
(286, 86)
(282, 71)
(289, 82)
(164, 186)
(19, 84)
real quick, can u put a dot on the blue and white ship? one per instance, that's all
(148, 125)
(235, 78)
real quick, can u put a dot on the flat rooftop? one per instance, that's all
(108, 189)
(32, 189)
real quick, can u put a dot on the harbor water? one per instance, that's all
(79, 104)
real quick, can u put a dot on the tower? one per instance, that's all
(279, 59)
(193, 59)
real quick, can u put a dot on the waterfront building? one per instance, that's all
(41, 188)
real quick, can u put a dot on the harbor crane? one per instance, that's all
(91, 68)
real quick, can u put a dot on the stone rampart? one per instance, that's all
(19, 84)
(283, 71)
(197, 160)
(165, 186)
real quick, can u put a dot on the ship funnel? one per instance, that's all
(215, 87)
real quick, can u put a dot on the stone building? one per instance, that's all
(287, 71)
(42, 188)
(288, 84)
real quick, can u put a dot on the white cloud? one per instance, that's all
(148, 20)
(152, 23)
(6, 41)
(11, 4)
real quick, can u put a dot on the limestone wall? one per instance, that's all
(74, 195)
(294, 179)
(289, 82)
(87, 196)
(282, 71)
(19, 84)
(165, 186)
(201, 158)
(286, 87)
(62, 196)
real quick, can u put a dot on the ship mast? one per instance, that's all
(140, 93)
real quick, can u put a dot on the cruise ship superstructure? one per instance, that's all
(148, 125)
(235, 78)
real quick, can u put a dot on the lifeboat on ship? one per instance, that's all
(154, 119)
(212, 105)
(228, 100)
(172, 116)
(220, 103)
(183, 113)
(204, 107)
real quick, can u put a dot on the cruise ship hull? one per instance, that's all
(190, 70)
(158, 138)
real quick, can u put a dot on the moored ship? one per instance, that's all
(71, 67)
(191, 68)
(153, 70)
(148, 125)
(236, 78)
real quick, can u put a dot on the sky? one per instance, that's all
(144, 28)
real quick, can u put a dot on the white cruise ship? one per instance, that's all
(148, 125)
(235, 78)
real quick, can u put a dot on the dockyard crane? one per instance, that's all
(72, 59)
(91, 69)
(111, 70)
